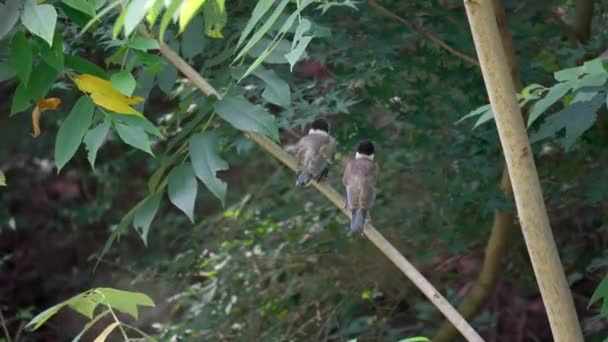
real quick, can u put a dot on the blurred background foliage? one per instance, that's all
(274, 262)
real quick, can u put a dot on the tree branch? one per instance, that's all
(426, 34)
(372, 234)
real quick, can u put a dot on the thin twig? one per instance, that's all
(372, 234)
(4, 327)
(426, 34)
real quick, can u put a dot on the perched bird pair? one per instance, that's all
(315, 153)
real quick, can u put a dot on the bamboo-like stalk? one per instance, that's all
(372, 234)
(529, 200)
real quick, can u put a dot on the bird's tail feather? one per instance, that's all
(303, 179)
(358, 220)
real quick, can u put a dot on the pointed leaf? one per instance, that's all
(296, 54)
(143, 44)
(94, 139)
(104, 94)
(39, 19)
(166, 78)
(124, 82)
(193, 41)
(244, 115)
(83, 305)
(124, 301)
(167, 17)
(568, 74)
(72, 131)
(145, 214)
(277, 90)
(10, 10)
(138, 121)
(42, 79)
(601, 292)
(135, 14)
(134, 136)
(84, 6)
(22, 100)
(2, 179)
(182, 188)
(555, 93)
(90, 324)
(188, 11)
(594, 66)
(207, 162)
(21, 57)
(258, 12)
(83, 66)
(44, 316)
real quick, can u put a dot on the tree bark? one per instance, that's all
(502, 225)
(584, 17)
(524, 177)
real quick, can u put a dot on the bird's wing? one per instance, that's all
(328, 150)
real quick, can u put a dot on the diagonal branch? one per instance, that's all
(372, 234)
(426, 34)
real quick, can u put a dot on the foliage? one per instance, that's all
(263, 260)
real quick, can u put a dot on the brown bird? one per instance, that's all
(315, 153)
(360, 177)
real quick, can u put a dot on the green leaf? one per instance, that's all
(260, 9)
(40, 20)
(475, 112)
(21, 100)
(583, 96)
(138, 121)
(277, 90)
(568, 74)
(124, 82)
(594, 66)
(601, 292)
(187, 12)
(44, 316)
(555, 93)
(2, 179)
(276, 55)
(296, 54)
(83, 66)
(575, 119)
(416, 339)
(106, 332)
(182, 188)
(83, 6)
(21, 57)
(193, 41)
(593, 80)
(79, 18)
(207, 162)
(10, 10)
(124, 301)
(94, 139)
(83, 305)
(215, 17)
(135, 14)
(7, 72)
(268, 23)
(244, 115)
(145, 214)
(483, 118)
(54, 56)
(72, 131)
(119, 24)
(168, 16)
(143, 44)
(42, 79)
(154, 11)
(166, 78)
(134, 136)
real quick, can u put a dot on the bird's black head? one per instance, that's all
(320, 125)
(366, 147)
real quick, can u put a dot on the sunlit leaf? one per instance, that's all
(10, 10)
(206, 162)
(187, 12)
(39, 19)
(167, 17)
(215, 17)
(2, 179)
(44, 316)
(72, 131)
(124, 301)
(182, 188)
(105, 95)
(135, 14)
(260, 9)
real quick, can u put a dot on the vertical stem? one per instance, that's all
(522, 171)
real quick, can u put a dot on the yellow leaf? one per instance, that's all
(45, 104)
(105, 95)
(215, 17)
(188, 10)
(104, 334)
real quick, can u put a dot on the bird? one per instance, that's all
(315, 153)
(359, 179)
